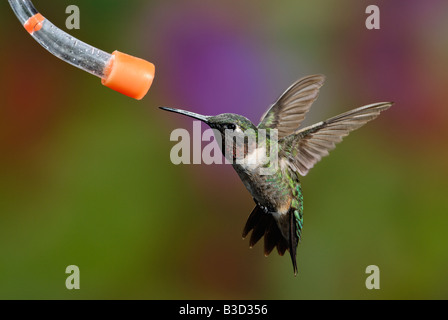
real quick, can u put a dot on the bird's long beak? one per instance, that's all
(187, 113)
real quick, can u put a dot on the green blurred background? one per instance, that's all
(86, 177)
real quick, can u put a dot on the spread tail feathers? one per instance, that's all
(264, 224)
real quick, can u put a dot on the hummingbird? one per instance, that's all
(278, 197)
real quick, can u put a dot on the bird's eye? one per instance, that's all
(231, 126)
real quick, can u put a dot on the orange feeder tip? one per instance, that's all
(129, 75)
(34, 23)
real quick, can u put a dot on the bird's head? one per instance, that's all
(222, 122)
(226, 126)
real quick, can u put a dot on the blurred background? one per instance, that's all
(86, 177)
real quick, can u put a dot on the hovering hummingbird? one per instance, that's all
(278, 214)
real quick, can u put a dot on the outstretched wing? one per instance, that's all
(306, 147)
(288, 112)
